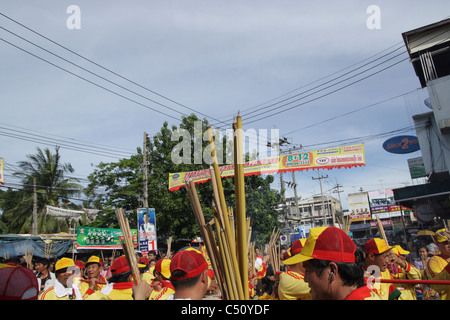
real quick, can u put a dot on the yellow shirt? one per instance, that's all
(166, 291)
(407, 290)
(148, 277)
(50, 294)
(386, 291)
(438, 269)
(292, 286)
(118, 291)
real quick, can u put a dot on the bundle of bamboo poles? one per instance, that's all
(228, 247)
(345, 223)
(127, 246)
(48, 248)
(273, 249)
(29, 257)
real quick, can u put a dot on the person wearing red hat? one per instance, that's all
(189, 275)
(333, 266)
(376, 266)
(162, 287)
(147, 275)
(292, 285)
(17, 283)
(120, 284)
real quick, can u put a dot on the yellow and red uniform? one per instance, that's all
(292, 286)
(363, 293)
(86, 291)
(407, 290)
(439, 269)
(167, 290)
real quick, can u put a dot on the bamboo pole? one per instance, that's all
(227, 265)
(230, 243)
(169, 247)
(241, 218)
(381, 230)
(219, 273)
(199, 217)
(127, 246)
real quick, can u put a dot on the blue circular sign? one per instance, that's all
(402, 144)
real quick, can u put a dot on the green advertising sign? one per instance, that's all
(101, 238)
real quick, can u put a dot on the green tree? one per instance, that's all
(119, 184)
(52, 188)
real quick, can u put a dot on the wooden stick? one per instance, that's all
(241, 219)
(209, 241)
(169, 247)
(381, 230)
(219, 193)
(127, 246)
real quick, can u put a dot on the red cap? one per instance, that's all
(120, 265)
(326, 243)
(144, 260)
(191, 262)
(18, 283)
(376, 246)
(79, 264)
(297, 246)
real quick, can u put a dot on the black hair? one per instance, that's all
(121, 277)
(350, 273)
(185, 283)
(43, 261)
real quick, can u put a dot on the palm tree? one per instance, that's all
(52, 187)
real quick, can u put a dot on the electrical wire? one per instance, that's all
(106, 69)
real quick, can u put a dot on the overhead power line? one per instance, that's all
(106, 69)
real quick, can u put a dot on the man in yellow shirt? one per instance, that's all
(120, 284)
(95, 281)
(292, 285)
(63, 288)
(438, 267)
(377, 260)
(403, 270)
(333, 266)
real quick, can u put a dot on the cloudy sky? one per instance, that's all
(319, 72)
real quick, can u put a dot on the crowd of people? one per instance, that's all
(327, 265)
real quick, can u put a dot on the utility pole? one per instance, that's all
(321, 192)
(35, 222)
(338, 191)
(145, 172)
(295, 190)
(278, 145)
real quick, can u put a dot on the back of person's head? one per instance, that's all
(325, 245)
(17, 283)
(351, 274)
(186, 268)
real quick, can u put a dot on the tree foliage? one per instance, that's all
(46, 170)
(121, 185)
